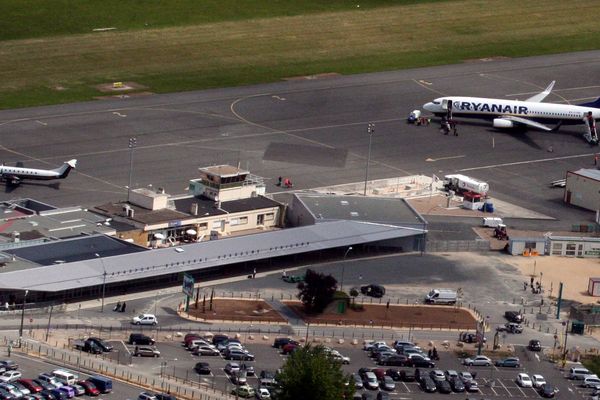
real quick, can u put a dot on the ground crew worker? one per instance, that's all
(591, 125)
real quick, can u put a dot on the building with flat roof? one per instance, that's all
(582, 188)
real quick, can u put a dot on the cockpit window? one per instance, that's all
(436, 102)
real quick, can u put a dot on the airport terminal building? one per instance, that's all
(141, 254)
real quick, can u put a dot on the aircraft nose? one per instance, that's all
(428, 106)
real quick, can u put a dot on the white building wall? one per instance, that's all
(582, 192)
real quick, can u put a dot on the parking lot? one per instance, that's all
(494, 382)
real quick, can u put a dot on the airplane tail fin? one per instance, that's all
(593, 104)
(64, 170)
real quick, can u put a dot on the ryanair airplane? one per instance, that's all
(528, 113)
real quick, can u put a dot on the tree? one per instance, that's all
(310, 374)
(317, 290)
(354, 294)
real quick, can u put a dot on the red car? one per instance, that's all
(31, 385)
(289, 348)
(90, 388)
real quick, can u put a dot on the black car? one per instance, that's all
(238, 355)
(280, 342)
(219, 339)
(101, 343)
(427, 384)
(420, 362)
(443, 386)
(43, 384)
(407, 376)
(514, 316)
(48, 395)
(534, 345)
(393, 373)
(202, 368)
(457, 385)
(373, 290)
(140, 338)
(383, 396)
(397, 360)
(163, 396)
(547, 391)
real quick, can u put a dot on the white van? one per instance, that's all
(492, 222)
(441, 296)
(65, 377)
(578, 373)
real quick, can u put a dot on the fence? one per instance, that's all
(84, 362)
(437, 246)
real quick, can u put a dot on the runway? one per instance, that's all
(313, 131)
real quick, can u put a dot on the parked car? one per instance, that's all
(471, 386)
(371, 345)
(263, 393)
(437, 375)
(407, 375)
(231, 368)
(510, 327)
(509, 362)
(443, 386)
(457, 385)
(239, 378)
(356, 381)
(393, 373)
(591, 381)
(280, 342)
(469, 337)
(140, 338)
(373, 290)
(165, 396)
(10, 376)
(146, 351)
(104, 346)
(547, 391)
(398, 360)
(90, 388)
(477, 361)
(534, 345)
(206, 350)
(79, 390)
(289, 348)
(241, 355)
(248, 369)
(219, 339)
(145, 319)
(202, 368)
(451, 374)
(427, 384)
(370, 381)
(524, 380)
(578, 373)
(293, 278)
(387, 383)
(244, 391)
(538, 380)
(417, 360)
(31, 385)
(146, 396)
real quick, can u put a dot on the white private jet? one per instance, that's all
(514, 113)
(14, 175)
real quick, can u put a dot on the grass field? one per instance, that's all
(225, 47)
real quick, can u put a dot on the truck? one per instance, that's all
(462, 183)
(441, 296)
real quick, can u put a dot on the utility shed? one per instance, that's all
(582, 188)
(530, 246)
(594, 287)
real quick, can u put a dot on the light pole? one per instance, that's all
(22, 318)
(371, 131)
(132, 144)
(344, 267)
(564, 357)
(103, 280)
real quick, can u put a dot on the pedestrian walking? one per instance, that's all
(524, 286)
(123, 307)
(279, 181)
(117, 306)
(531, 282)
(254, 273)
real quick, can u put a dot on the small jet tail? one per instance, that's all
(593, 104)
(63, 171)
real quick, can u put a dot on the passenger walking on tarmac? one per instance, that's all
(279, 181)
(123, 307)
(453, 125)
(287, 183)
(117, 306)
(591, 122)
(444, 126)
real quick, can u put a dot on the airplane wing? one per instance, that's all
(541, 96)
(527, 122)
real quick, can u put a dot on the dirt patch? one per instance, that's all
(236, 310)
(426, 317)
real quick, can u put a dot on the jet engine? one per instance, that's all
(503, 123)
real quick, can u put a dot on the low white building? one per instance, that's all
(574, 246)
(583, 188)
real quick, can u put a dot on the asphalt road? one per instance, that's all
(313, 131)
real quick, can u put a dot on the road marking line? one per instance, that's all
(444, 158)
(406, 386)
(41, 123)
(505, 388)
(541, 160)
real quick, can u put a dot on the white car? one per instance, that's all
(524, 380)
(145, 319)
(10, 376)
(371, 345)
(538, 381)
(478, 361)
(263, 393)
(465, 376)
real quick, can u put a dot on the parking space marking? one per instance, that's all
(406, 387)
(505, 388)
